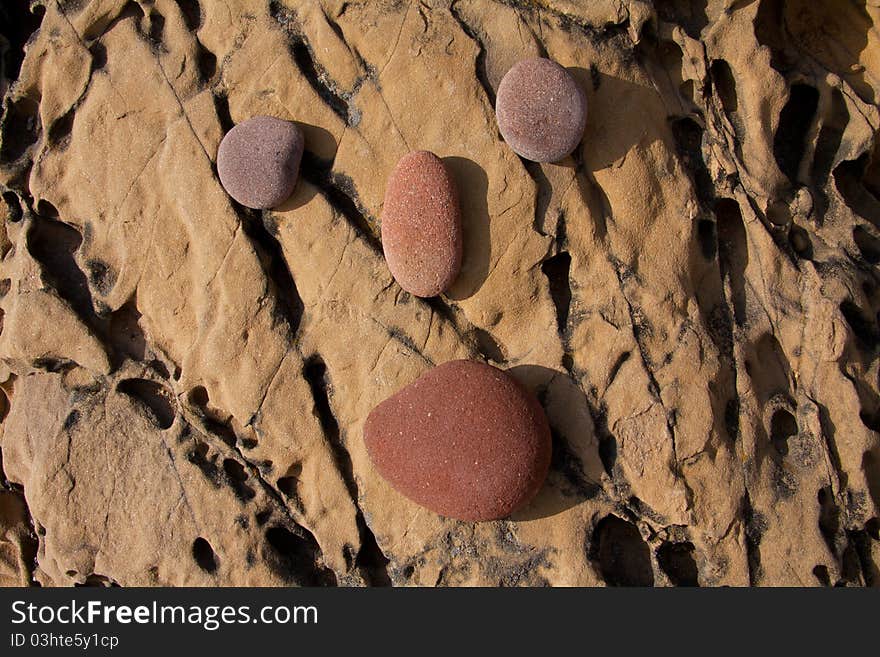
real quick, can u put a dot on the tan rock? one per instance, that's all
(693, 297)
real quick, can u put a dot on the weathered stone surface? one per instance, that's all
(541, 110)
(465, 440)
(421, 225)
(258, 161)
(694, 301)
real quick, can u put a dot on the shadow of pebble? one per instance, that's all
(473, 186)
(575, 466)
(317, 161)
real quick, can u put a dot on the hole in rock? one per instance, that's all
(795, 120)
(800, 242)
(868, 244)
(556, 269)
(294, 557)
(863, 328)
(623, 556)
(821, 574)
(688, 135)
(782, 426)
(152, 396)
(192, 14)
(15, 212)
(236, 475)
(677, 561)
(198, 396)
(707, 237)
(20, 129)
(288, 483)
(204, 555)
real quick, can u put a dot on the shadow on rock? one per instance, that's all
(575, 468)
(317, 162)
(473, 186)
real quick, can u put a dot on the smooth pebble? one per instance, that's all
(541, 110)
(421, 225)
(258, 161)
(464, 440)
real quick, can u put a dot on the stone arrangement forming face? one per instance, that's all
(258, 161)
(421, 225)
(541, 110)
(465, 440)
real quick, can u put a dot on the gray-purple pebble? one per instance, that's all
(258, 161)
(541, 110)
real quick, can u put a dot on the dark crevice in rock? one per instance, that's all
(733, 253)
(480, 62)
(677, 561)
(259, 230)
(204, 556)
(543, 194)
(236, 477)
(53, 244)
(849, 178)
(827, 145)
(339, 191)
(314, 73)
(831, 528)
(615, 369)
(822, 576)
(191, 11)
(621, 553)
(370, 560)
(862, 327)
(860, 543)
(17, 23)
(690, 14)
(20, 128)
(868, 244)
(782, 427)
(59, 131)
(795, 121)
(556, 269)
(294, 555)
(755, 525)
(707, 238)
(221, 105)
(571, 468)
(153, 397)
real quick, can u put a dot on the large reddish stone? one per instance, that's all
(421, 225)
(541, 110)
(465, 440)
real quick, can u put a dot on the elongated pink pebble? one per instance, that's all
(421, 225)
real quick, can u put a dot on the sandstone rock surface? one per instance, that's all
(693, 296)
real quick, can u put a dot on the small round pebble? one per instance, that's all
(421, 225)
(541, 110)
(258, 161)
(464, 440)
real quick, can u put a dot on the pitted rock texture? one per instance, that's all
(693, 296)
